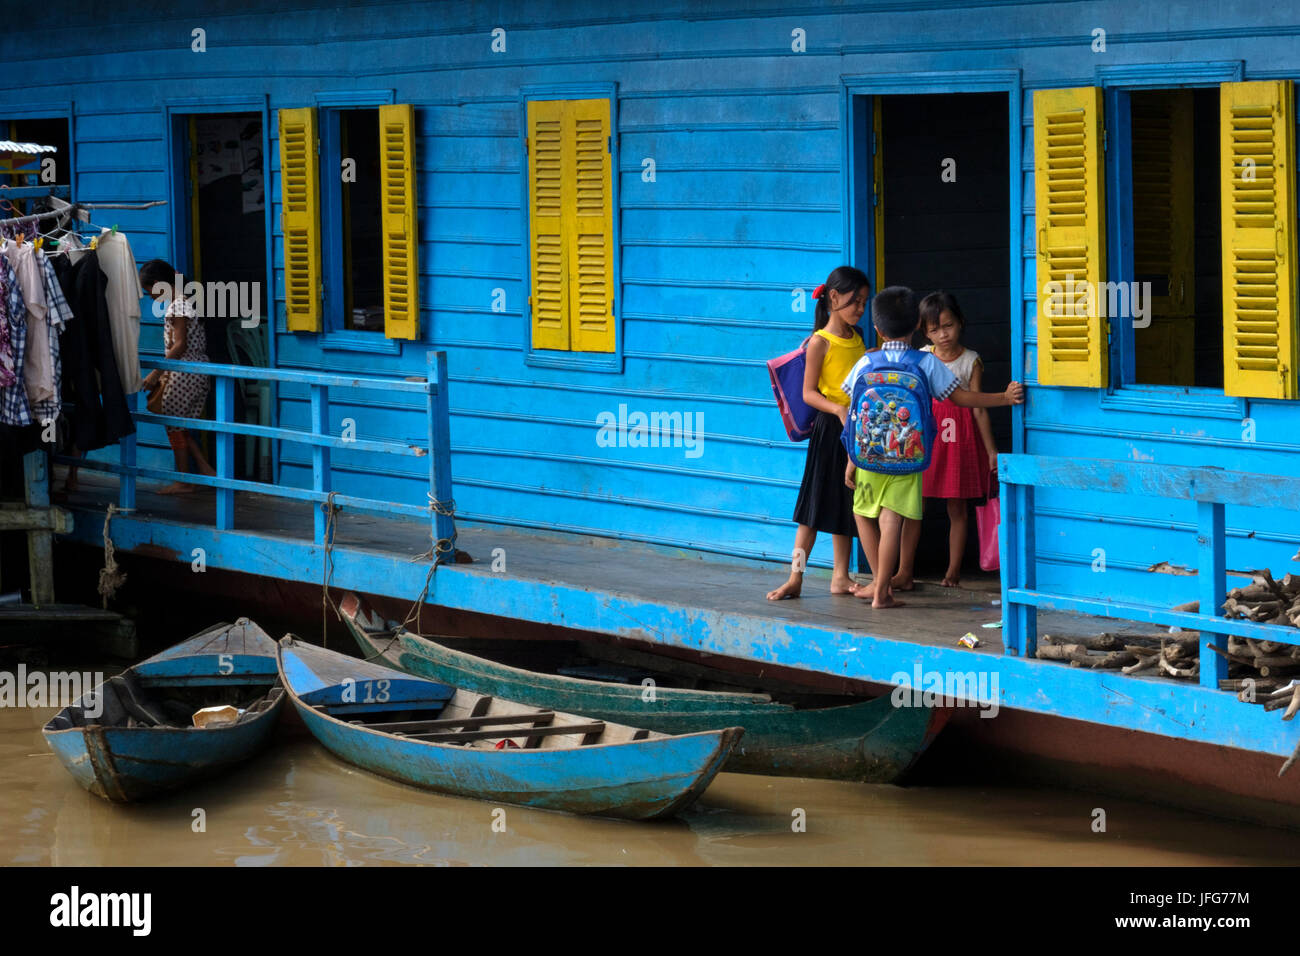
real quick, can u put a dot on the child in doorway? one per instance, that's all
(881, 501)
(965, 454)
(183, 393)
(823, 503)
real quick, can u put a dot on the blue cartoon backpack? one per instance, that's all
(890, 428)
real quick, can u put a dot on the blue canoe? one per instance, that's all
(434, 736)
(133, 736)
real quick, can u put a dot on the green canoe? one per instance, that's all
(871, 741)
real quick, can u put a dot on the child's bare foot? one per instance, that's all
(888, 602)
(844, 585)
(177, 488)
(864, 591)
(902, 582)
(790, 589)
(950, 581)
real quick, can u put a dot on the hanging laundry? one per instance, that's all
(98, 413)
(57, 315)
(38, 364)
(118, 263)
(14, 409)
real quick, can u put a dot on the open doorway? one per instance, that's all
(941, 181)
(221, 239)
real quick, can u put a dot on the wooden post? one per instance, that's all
(320, 455)
(1026, 614)
(40, 541)
(225, 412)
(1009, 549)
(444, 525)
(1211, 580)
(126, 456)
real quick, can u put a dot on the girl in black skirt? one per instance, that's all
(825, 503)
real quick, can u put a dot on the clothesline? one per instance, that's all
(72, 208)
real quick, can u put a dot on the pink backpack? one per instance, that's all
(787, 373)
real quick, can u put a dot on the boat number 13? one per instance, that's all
(371, 686)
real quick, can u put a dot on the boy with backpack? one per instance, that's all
(891, 430)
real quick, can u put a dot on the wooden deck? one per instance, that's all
(934, 615)
(686, 603)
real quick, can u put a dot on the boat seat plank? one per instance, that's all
(467, 723)
(442, 737)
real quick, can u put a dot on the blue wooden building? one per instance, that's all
(607, 220)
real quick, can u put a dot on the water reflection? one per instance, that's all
(298, 805)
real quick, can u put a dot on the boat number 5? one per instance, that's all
(225, 663)
(382, 697)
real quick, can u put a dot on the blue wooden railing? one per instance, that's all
(322, 442)
(1210, 488)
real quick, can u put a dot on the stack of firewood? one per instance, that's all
(1266, 600)
(1176, 655)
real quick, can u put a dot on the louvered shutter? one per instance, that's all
(546, 208)
(1069, 202)
(591, 279)
(300, 215)
(1257, 130)
(399, 224)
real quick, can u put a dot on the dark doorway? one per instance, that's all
(224, 241)
(943, 223)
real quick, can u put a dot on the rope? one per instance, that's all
(438, 551)
(111, 577)
(327, 569)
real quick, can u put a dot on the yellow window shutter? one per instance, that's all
(1257, 130)
(546, 219)
(399, 222)
(300, 218)
(591, 238)
(1069, 202)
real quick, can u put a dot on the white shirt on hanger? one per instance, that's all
(117, 262)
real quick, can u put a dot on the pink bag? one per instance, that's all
(787, 373)
(987, 518)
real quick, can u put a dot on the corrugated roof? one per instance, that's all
(9, 146)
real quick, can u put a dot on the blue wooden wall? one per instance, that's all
(749, 204)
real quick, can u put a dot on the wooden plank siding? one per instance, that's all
(747, 205)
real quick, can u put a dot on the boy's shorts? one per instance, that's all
(901, 494)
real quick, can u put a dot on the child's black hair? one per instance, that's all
(846, 280)
(894, 312)
(155, 271)
(936, 304)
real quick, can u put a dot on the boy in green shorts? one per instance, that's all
(882, 501)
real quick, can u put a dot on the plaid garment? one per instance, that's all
(57, 314)
(14, 409)
(8, 371)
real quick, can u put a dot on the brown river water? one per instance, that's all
(296, 804)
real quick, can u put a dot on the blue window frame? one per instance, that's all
(333, 108)
(1118, 83)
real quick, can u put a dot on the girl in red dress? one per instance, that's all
(964, 454)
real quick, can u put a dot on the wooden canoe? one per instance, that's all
(438, 737)
(871, 741)
(133, 736)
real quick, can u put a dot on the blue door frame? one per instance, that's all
(857, 163)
